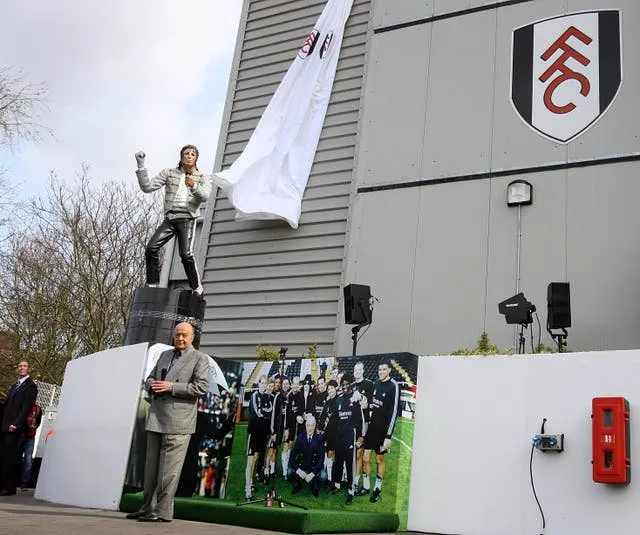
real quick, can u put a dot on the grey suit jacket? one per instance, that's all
(174, 413)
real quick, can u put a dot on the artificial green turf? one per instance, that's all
(395, 489)
(288, 519)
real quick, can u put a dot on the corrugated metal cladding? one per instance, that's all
(266, 283)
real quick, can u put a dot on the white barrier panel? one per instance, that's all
(475, 420)
(86, 457)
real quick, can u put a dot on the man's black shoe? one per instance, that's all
(7, 493)
(333, 490)
(314, 492)
(136, 515)
(349, 500)
(375, 496)
(152, 517)
(362, 492)
(295, 490)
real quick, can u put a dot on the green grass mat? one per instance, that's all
(288, 519)
(395, 489)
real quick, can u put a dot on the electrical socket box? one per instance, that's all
(549, 442)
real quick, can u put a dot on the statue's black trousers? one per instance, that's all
(184, 231)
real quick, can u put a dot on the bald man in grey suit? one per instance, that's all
(178, 379)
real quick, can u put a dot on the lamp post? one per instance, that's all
(519, 193)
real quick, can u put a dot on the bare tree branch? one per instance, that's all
(22, 104)
(66, 281)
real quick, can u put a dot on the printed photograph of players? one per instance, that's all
(211, 445)
(327, 432)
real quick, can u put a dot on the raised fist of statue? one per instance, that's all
(140, 156)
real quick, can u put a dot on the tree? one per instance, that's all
(21, 105)
(66, 282)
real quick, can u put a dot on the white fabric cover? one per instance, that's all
(268, 179)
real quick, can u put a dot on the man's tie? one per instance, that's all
(14, 387)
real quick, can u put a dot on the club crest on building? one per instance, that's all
(566, 72)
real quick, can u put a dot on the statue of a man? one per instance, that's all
(185, 189)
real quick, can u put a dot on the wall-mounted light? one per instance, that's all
(519, 192)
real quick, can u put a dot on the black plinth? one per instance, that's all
(155, 312)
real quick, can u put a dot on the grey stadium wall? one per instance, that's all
(408, 189)
(439, 143)
(264, 282)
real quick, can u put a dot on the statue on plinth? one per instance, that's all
(185, 190)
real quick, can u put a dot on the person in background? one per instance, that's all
(26, 445)
(20, 400)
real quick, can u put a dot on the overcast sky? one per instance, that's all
(122, 75)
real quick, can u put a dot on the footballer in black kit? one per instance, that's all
(385, 406)
(348, 421)
(326, 427)
(276, 428)
(294, 416)
(260, 409)
(319, 398)
(365, 388)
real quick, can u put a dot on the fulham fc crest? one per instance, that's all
(566, 71)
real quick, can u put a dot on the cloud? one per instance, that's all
(122, 76)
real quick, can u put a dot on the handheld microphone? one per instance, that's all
(163, 376)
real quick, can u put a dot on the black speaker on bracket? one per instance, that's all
(558, 305)
(357, 304)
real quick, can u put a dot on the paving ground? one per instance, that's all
(22, 514)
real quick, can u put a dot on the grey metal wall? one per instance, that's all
(264, 282)
(440, 256)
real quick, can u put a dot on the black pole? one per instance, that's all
(354, 337)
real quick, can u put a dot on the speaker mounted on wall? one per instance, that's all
(357, 304)
(558, 305)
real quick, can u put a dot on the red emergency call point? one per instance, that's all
(611, 452)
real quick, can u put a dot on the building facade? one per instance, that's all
(427, 126)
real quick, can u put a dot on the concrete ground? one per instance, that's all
(22, 514)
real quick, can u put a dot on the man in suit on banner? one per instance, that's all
(20, 400)
(307, 458)
(178, 379)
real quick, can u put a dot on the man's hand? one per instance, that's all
(140, 156)
(299, 419)
(301, 473)
(12, 428)
(309, 477)
(189, 181)
(364, 403)
(161, 386)
(360, 441)
(386, 445)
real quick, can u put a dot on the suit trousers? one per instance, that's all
(163, 464)
(184, 231)
(9, 460)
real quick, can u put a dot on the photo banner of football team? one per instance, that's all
(326, 432)
(330, 433)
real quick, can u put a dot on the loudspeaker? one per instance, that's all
(558, 305)
(357, 304)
